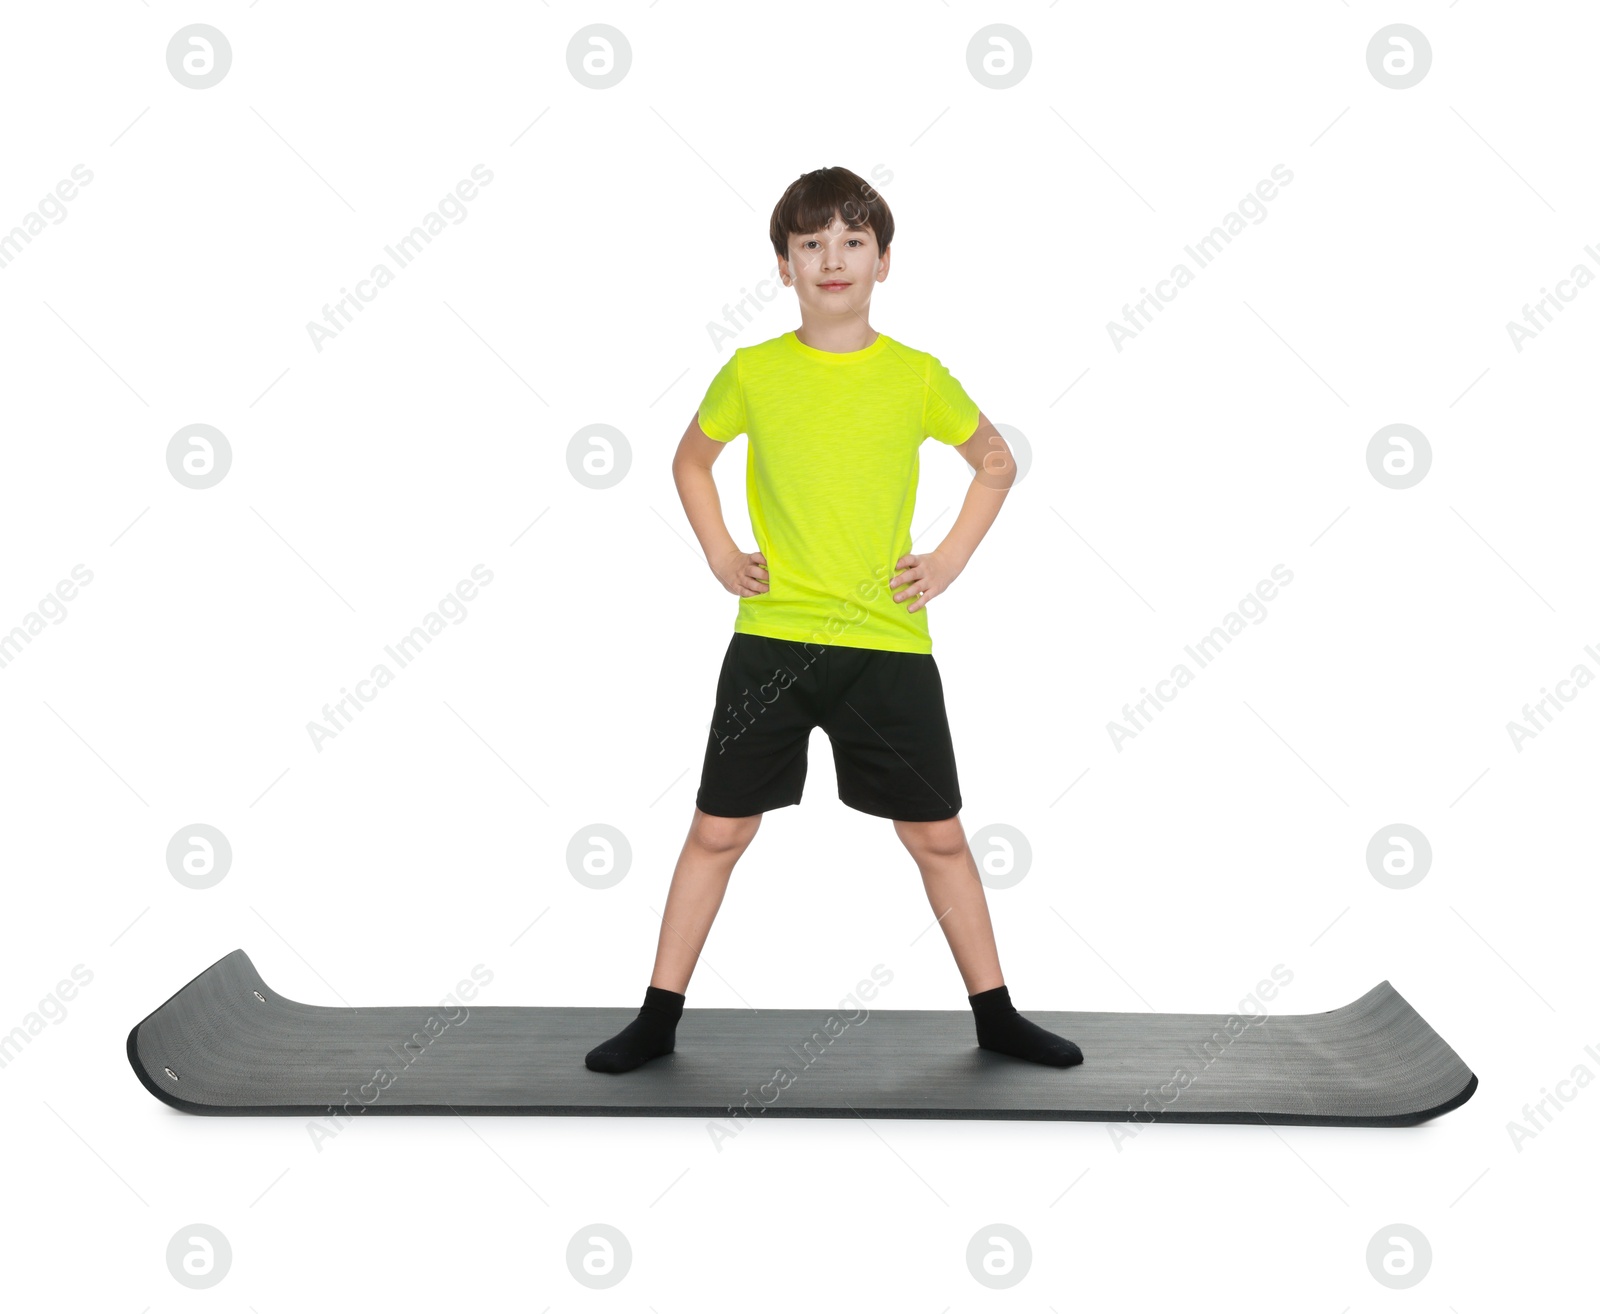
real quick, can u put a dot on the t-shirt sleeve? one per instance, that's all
(948, 414)
(722, 409)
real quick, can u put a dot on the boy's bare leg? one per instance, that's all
(956, 895)
(699, 881)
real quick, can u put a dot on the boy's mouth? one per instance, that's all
(833, 287)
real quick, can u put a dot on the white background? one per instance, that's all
(1163, 482)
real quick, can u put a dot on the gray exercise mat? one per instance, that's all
(227, 1043)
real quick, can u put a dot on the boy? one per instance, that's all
(835, 412)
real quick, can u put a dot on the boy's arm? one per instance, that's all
(994, 470)
(924, 575)
(742, 573)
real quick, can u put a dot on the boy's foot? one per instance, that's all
(651, 1034)
(1004, 1030)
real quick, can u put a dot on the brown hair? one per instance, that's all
(810, 202)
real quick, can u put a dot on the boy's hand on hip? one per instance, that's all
(743, 573)
(922, 577)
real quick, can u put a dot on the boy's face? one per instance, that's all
(833, 270)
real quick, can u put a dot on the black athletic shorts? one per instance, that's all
(883, 713)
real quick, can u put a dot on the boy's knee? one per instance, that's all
(940, 839)
(723, 833)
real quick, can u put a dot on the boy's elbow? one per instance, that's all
(688, 468)
(991, 458)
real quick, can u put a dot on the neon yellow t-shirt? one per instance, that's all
(831, 477)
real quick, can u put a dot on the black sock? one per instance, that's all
(652, 1033)
(1004, 1030)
